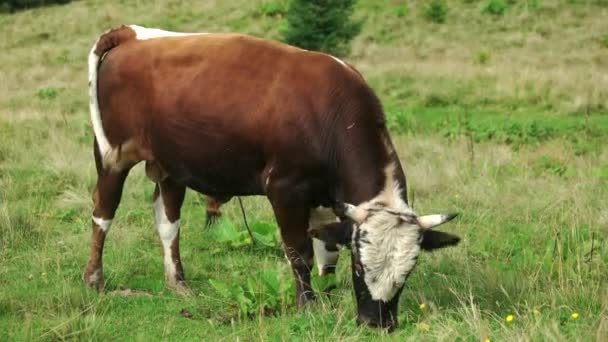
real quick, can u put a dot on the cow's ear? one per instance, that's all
(434, 239)
(334, 234)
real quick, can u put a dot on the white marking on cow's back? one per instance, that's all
(141, 33)
(324, 258)
(167, 231)
(339, 60)
(104, 225)
(144, 33)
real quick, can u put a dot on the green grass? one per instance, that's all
(516, 144)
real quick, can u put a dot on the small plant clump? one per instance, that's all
(514, 133)
(264, 234)
(49, 93)
(494, 7)
(401, 10)
(435, 11)
(604, 41)
(534, 5)
(263, 294)
(272, 8)
(482, 57)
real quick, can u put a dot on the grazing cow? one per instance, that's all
(233, 115)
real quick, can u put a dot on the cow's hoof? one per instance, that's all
(180, 288)
(304, 299)
(327, 291)
(94, 279)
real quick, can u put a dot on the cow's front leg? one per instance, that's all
(293, 223)
(168, 199)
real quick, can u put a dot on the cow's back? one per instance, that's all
(220, 107)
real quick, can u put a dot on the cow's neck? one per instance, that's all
(368, 168)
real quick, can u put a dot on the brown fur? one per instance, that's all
(230, 115)
(113, 38)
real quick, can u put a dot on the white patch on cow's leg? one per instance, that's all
(96, 276)
(103, 224)
(324, 258)
(144, 33)
(93, 272)
(168, 233)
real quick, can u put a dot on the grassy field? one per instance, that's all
(503, 118)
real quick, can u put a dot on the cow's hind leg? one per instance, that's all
(106, 198)
(168, 199)
(326, 255)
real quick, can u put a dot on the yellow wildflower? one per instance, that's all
(574, 315)
(422, 306)
(423, 326)
(509, 319)
(536, 312)
(486, 340)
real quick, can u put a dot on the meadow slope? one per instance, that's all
(501, 118)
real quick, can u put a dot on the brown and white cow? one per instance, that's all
(233, 115)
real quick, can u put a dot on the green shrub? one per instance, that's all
(13, 5)
(511, 133)
(321, 25)
(534, 5)
(604, 41)
(494, 7)
(399, 121)
(600, 172)
(263, 294)
(49, 93)
(226, 233)
(435, 11)
(482, 57)
(401, 10)
(272, 8)
(546, 164)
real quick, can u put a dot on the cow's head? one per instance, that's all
(385, 243)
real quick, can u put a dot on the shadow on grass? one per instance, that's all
(12, 6)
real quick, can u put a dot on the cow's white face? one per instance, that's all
(385, 241)
(386, 245)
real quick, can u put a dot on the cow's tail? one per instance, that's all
(105, 43)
